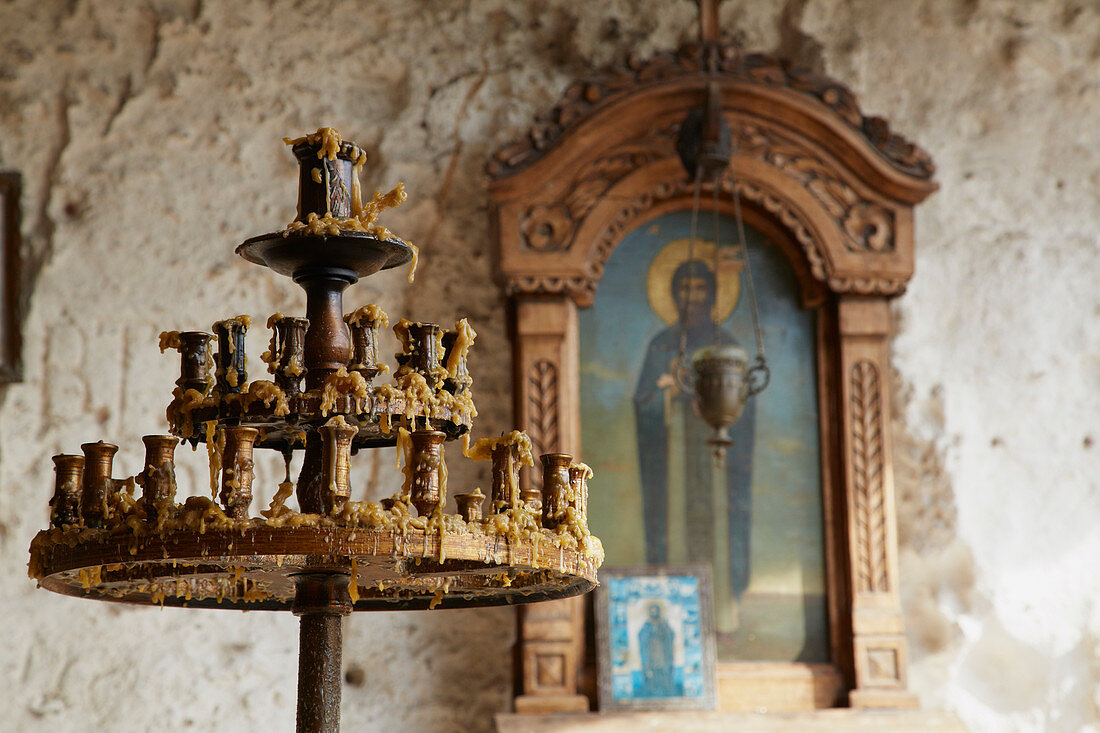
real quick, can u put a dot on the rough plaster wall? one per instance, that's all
(147, 134)
(998, 347)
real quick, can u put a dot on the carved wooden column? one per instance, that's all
(878, 627)
(551, 635)
(546, 364)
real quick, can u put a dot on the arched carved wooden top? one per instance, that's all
(604, 161)
(693, 60)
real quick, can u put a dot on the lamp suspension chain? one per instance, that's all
(693, 230)
(755, 309)
(717, 252)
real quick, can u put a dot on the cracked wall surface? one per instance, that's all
(147, 133)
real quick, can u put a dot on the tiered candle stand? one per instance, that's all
(128, 540)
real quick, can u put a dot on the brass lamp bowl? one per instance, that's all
(722, 385)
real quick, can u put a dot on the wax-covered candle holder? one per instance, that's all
(288, 361)
(427, 465)
(195, 360)
(158, 480)
(364, 324)
(65, 503)
(232, 362)
(96, 482)
(316, 550)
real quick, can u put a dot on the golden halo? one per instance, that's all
(674, 254)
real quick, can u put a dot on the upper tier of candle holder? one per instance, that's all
(348, 255)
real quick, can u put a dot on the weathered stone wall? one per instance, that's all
(148, 137)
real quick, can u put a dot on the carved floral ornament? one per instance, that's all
(542, 399)
(868, 226)
(868, 469)
(870, 222)
(552, 225)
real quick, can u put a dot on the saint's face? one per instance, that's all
(694, 300)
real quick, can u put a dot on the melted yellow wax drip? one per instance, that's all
(404, 456)
(278, 507)
(169, 340)
(271, 357)
(180, 409)
(401, 331)
(482, 449)
(215, 445)
(369, 315)
(266, 392)
(465, 339)
(353, 581)
(412, 388)
(328, 137)
(341, 382)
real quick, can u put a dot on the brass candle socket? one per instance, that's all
(555, 488)
(364, 347)
(421, 352)
(194, 348)
(469, 505)
(158, 480)
(531, 498)
(96, 482)
(578, 479)
(505, 492)
(65, 503)
(427, 463)
(329, 193)
(289, 356)
(236, 490)
(336, 464)
(231, 373)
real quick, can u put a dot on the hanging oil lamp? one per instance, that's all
(718, 375)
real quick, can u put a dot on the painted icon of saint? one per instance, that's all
(695, 510)
(655, 644)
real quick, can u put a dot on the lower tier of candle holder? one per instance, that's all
(253, 568)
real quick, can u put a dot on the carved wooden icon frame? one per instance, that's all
(835, 190)
(11, 368)
(702, 697)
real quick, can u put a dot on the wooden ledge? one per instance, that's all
(833, 721)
